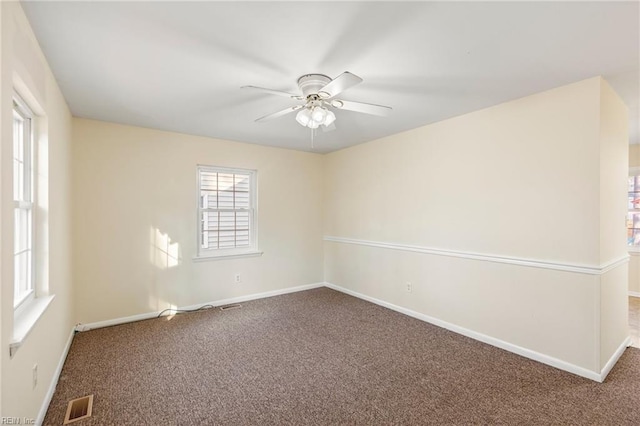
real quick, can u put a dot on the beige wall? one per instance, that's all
(614, 157)
(132, 184)
(614, 143)
(25, 68)
(519, 181)
(453, 184)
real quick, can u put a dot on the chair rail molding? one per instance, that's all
(532, 263)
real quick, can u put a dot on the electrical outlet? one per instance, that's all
(35, 375)
(408, 286)
(238, 279)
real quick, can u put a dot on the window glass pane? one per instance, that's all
(22, 275)
(227, 221)
(209, 199)
(633, 216)
(242, 200)
(22, 229)
(241, 182)
(22, 220)
(227, 197)
(208, 181)
(225, 182)
(212, 240)
(211, 221)
(18, 157)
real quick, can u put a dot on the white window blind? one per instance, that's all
(23, 203)
(226, 211)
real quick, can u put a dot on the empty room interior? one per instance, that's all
(319, 213)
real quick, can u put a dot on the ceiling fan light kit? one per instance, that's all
(318, 91)
(315, 116)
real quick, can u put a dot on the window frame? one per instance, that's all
(20, 107)
(214, 254)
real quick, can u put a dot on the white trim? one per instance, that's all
(116, 321)
(634, 293)
(533, 263)
(26, 320)
(227, 256)
(614, 358)
(54, 380)
(222, 302)
(527, 353)
(610, 266)
(23, 304)
(252, 250)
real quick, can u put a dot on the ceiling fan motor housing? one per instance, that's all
(310, 84)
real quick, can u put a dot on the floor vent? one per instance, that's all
(78, 409)
(228, 307)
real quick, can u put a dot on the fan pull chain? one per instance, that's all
(312, 133)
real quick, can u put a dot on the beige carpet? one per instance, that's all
(320, 357)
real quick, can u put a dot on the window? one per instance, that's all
(226, 212)
(23, 174)
(633, 216)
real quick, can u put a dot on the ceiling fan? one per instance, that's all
(319, 96)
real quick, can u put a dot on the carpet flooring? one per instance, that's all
(320, 357)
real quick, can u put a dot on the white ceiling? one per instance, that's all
(179, 66)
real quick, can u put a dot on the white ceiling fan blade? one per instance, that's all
(380, 110)
(279, 113)
(275, 92)
(339, 85)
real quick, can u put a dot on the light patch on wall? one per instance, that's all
(172, 311)
(164, 254)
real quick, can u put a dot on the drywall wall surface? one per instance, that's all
(499, 213)
(25, 70)
(614, 312)
(614, 160)
(486, 182)
(136, 193)
(524, 306)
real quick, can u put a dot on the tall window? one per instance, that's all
(226, 211)
(23, 173)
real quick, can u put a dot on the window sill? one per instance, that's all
(634, 251)
(26, 319)
(227, 256)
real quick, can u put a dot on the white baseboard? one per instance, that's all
(634, 294)
(54, 380)
(614, 358)
(527, 353)
(222, 302)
